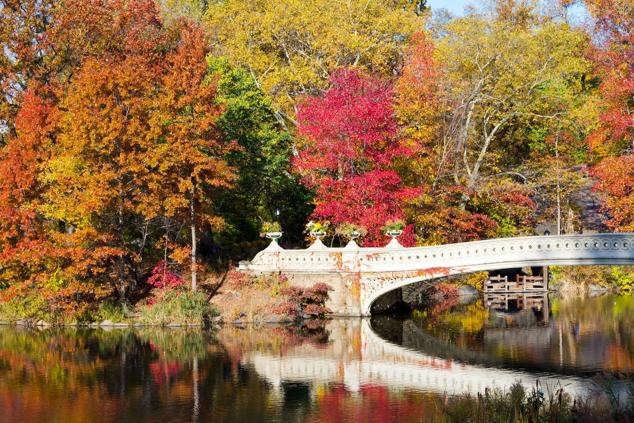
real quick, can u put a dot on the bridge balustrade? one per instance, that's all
(566, 248)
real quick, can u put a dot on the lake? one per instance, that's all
(382, 369)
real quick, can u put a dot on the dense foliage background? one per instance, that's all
(152, 139)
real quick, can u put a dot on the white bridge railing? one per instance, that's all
(614, 248)
(381, 270)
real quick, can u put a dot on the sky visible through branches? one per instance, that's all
(457, 7)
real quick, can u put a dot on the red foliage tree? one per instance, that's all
(616, 179)
(350, 154)
(22, 239)
(305, 302)
(163, 277)
(615, 59)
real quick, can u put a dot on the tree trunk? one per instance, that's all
(192, 216)
(121, 258)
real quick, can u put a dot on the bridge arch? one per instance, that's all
(374, 294)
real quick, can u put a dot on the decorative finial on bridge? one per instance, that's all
(317, 230)
(350, 232)
(272, 231)
(394, 228)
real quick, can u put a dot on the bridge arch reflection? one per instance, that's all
(357, 356)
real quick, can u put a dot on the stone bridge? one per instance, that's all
(359, 275)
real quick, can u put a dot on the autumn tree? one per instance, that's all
(22, 54)
(350, 152)
(22, 238)
(95, 177)
(193, 10)
(187, 159)
(122, 139)
(614, 136)
(291, 47)
(501, 74)
(420, 108)
(34, 247)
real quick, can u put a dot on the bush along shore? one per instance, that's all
(235, 299)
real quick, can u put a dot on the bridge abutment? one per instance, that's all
(344, 299)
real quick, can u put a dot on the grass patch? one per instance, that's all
(520, 405)
(112, 311)
(176, 306)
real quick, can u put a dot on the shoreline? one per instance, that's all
(138, 325)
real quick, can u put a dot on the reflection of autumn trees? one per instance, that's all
(85, 375)
(458, 323)
(186, 375)
(371, 404)
(582, 333)
(609, 318)
(95, 375)
(38, 369)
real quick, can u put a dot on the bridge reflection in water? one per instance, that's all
(519, 308)
(356, 356)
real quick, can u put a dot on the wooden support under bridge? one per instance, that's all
(521, 284)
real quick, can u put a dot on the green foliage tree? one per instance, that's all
(265, 183)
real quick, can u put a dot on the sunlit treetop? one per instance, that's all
(292, 47)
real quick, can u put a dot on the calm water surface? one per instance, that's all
(383, 369)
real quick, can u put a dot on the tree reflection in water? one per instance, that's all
(581, 336)
(340, 371)
(174, 375)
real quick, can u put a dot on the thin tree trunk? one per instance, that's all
(192, 216)
(121, 260)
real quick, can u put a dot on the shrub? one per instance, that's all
(29, 301)
(621, 278)
(447, 290)
(305, 302)
(477, 280)
(162, 277)
(30, 307)
(110, 310)
(239, 280)
(175, 306)
(579, 276)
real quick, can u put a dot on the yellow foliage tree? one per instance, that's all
(290, 47)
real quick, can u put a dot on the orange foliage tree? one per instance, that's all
(188, 162)
(615, 133)
(119, 142)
